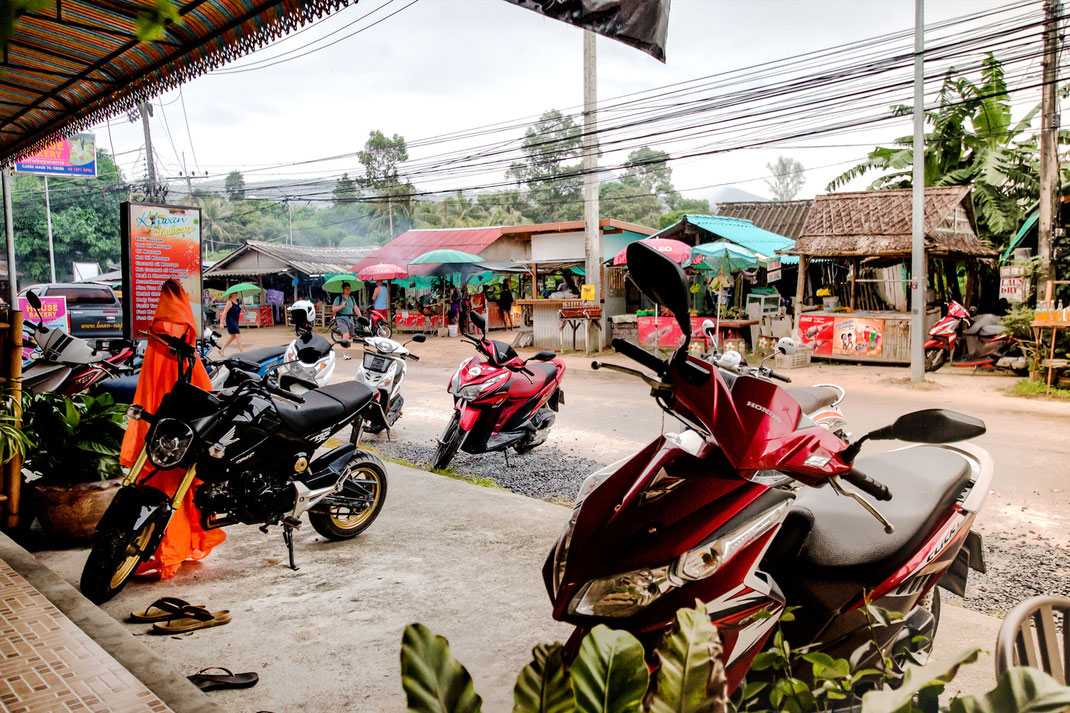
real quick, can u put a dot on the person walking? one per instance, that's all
(381, 300)
(505, 301)
(345, 313)
(229, 318)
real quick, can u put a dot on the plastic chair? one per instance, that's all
(1029, 636)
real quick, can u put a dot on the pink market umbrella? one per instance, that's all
(382, 271)
(678, 251)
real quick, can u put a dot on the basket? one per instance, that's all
(798, 360)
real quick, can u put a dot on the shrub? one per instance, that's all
(75, 440)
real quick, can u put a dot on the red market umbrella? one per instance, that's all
(383, 271)
(680, 252)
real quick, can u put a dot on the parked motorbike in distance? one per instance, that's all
(253, 447)
(732, 511)
(310, 358)
(501, 401)
(819, 402)
(382, 369)
(378, 324)
(69, 365)
(963, 340)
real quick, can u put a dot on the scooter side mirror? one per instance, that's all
(662, 280)
(477, 319)
(33, 299)
(936, 425)
(419, 338)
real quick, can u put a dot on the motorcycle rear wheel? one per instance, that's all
(338, 521)
(113, 560)
(450, 443)
(935, 358)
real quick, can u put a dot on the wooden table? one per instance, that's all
(1038, 332)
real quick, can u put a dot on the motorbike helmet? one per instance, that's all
(302, 314)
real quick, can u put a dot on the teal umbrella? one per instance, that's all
(418, 282)
(242, 290)
(725, 257)
(334, 283)
(485, 278)
(444, 255)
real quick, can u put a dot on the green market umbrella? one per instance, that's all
(725, 257)
(334, 283)
(485, 278)
(436, 257)
(418, 282)
(242, 290)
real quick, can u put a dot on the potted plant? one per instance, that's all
(74, 463)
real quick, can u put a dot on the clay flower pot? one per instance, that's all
(71, 512)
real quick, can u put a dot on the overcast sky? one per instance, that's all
(447, 65)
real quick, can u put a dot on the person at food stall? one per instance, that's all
(455, 304)
(505, 301)
(345, 313)
(380, 299)
(228, 319)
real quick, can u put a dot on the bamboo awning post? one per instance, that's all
(800, 287)
(12, 470)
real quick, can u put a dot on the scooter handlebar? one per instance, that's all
(867, 484)
(283, 393)
(781, 377)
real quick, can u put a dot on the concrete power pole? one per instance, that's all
(592, 233)
(1049, 159)
(919, 280)
(143, 107)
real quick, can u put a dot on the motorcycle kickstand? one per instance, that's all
(506, 454)
(290, 524)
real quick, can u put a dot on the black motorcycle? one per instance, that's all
(252, 446)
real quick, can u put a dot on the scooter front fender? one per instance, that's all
(936, 343)
(132, 507)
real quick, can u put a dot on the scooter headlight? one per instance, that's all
(591, 482)
(170, 441)
(291, 353)
(474, 391)
(622, 594)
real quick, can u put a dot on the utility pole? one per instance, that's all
(918, 265)
(143, 107)
(592, 233)
(189, 181)
(290, 214)
(1049, 158)
(48, 231)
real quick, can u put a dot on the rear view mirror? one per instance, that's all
(418, 338)
(659, 277)
(477, 319)
(935, 425)
(544, 355)
(33, 299)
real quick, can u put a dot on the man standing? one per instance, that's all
(345, 311)
(381, 300)
(505, 301)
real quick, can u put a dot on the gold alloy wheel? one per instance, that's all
(133, 556)
(345, 517)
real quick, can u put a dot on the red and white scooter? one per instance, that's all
(980, 341)
(501, 401)
(754, 508)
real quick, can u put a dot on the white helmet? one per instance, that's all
(302, 313)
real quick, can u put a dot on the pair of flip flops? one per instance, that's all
(169, 615)
(228, 679)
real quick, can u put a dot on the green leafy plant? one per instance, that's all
(13, 440)
(76, 440)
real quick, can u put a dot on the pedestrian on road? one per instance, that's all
(229, 318)
(505, 301)
(345, 313)
(381, 299)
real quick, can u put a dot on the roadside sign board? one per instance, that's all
(53, 314)
(772, 270)
(74, 156)
(159, 242)
(587, 293)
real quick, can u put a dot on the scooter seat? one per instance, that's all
(262, 354)
(811, 398)
(830, 549)
(325, 407)
(991, 330)
(531, 384)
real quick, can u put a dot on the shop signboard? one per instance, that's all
(159, 243)
(667, 333)
(772, 270)
(854, 336)
(816, 332)
(53, 314)
(587, 293)
(75, 156)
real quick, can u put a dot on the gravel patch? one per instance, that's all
(1017, 570)
(546, 473)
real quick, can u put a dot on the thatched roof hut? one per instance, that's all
(878, 224)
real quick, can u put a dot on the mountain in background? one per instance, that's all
(731, 194)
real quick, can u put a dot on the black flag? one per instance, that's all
(640, 23)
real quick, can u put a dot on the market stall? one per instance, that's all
(852, 297)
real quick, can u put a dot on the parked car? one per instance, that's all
(94, 312)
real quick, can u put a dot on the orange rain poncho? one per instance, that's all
(184, 539)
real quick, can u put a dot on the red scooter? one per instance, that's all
(981, 341)
(502, 401)
(753, 508)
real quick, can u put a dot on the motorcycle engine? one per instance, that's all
(250, 498)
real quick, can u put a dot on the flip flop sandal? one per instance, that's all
(191, 619)
(214, 681)
(162, 609)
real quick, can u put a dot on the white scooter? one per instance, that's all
(383, 369)
(309, 362)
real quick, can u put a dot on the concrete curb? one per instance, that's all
(156, 674)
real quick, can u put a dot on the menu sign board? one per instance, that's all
(159, 243)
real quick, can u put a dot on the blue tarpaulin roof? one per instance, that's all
(739, 231)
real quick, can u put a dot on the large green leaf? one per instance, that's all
(892, 700)
(610, 674)
(433, 680)
(690, 676)
(1019, 690)
(543, 686)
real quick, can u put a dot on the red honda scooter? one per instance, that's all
(502, 401)
(754, 508)
(981, 341)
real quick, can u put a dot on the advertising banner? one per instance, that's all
(772, 270)
(665, 332)
(159, 243)
(76, 156)
(816, 332)
(854, 336)
(643, 24)
(53, 314)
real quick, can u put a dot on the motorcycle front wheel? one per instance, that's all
(340, 517)
(935, 358)
(449, 443)
(383, 330)
(114, 558)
